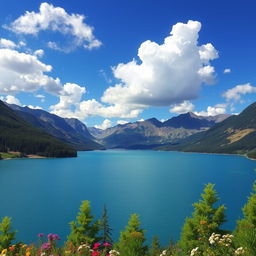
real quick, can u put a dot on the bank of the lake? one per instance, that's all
(43, 195)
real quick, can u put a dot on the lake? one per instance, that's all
(44, 195)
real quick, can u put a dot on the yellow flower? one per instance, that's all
(28, 253)
(4, 251)
(24, 245)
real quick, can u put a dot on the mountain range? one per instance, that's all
(69, 130)
(152, 133)
(36, 131)
(235, 135)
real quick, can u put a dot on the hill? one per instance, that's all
(235, 135)
(69, 130)
(19, 136)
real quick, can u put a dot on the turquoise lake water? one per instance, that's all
(43, 195)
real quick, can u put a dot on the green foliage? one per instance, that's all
(131, 241)
(84, 229)
(206, 219)
(245, 232)
(6, 233)
(105, 228)
(155, 248)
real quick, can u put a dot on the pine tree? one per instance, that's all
(131, 241)
(6, 235)
(245, 232)
(205, 220)
(84, 229)
(106, 230)
(155, 249)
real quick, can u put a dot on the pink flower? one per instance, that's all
(107, 244)
(95, 253)
(96, 246)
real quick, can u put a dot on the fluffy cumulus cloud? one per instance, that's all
(5, 43)
(184, 107)
(10, 99)
(22, 72)
(236, 92)
(71, 96)
(166, 74)
(57, 19)
(105, 125)
(213, 111)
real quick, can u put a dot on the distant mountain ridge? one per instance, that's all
(235, 135)
(151, 133)
(68, 130)
(18, 135)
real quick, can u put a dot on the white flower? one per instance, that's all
(194, 251)
(239, 251)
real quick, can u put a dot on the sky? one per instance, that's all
(111, 62)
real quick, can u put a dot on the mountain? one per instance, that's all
(193, 121)
(68, 130)
(18, 135)
(235, 135)
(152, 133)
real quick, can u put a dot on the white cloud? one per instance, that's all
(22, 72)
(105, 125)
(184, 107)
(227, 70)
(5, 43)
(39, 53)
(10, 99)
(32, 107)
(213, 111)
(141, 120)
(122, 122)
(57, 19)
(236, 92)
(168, 74)
(41, 97)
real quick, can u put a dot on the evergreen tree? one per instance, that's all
(155, 249)
(206, 219)
(84, 229)
(106, 230)
(245, 232)
(6, 235)
(131, 241)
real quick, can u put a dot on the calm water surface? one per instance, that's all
(43, 195)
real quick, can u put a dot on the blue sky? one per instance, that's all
(100, 75)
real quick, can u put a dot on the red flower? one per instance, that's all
(95, 253)
(107, 244)
(96, 246)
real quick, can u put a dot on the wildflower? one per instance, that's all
(96, 246)
(113, 253)
(40, 235)
(239, 251)
(107, 244)
(46, 246)
(24, 246)
(55, 237)
(203, 222)
(3, 253)
(95, 253)
(83, 246)
(28, 253)
(194, 251)
(163, 253)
